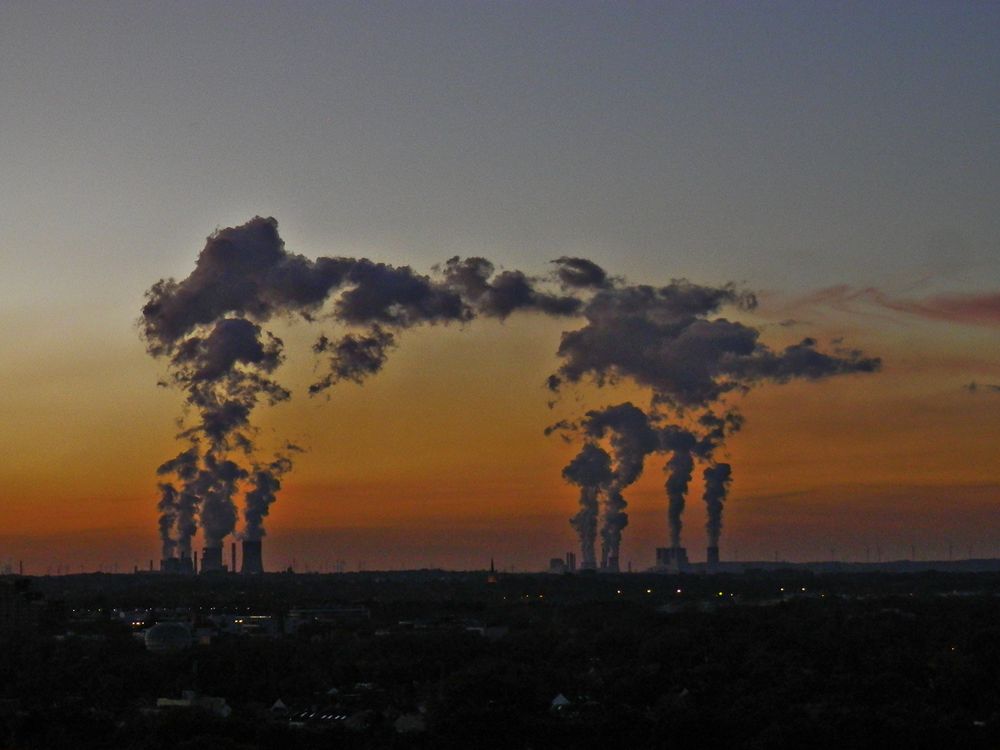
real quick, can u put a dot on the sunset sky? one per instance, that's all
(840, 160)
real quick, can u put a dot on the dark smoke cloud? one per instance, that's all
(168, 517)
(184, 465)
(632, 439)
(179, 507)
(266, 483)
(562, 425)
(633, 435)
(354, 356)
(715, 430)
(396, 297)
(218, 485)
(672, 341)
(208, 327)
(590, 470)
(663, 339)
(224, 371)
(681, 444)
(685, 446)
(717, 480)
(243, 271)
(802, 360)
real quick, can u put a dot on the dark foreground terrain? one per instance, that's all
(427, 659)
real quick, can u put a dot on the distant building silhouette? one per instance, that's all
(671, 559)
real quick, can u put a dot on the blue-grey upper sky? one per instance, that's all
(791, 145)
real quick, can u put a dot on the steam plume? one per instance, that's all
(266, 483)
(672, 341)
(717, 480)
(681, 443)
(209, 329)
(179, 507)
(632, 439)
(663, 338)
(590, 469)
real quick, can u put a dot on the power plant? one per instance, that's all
(178, 565)
(211, 560)
(253, 560)
(671, 559)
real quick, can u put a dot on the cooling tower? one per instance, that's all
(612, 566)
(253, 560)
(211, 560)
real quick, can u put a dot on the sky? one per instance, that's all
(842, 160)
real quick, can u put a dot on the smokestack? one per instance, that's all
(612, 566)
(712, 557)
(253, 560)
(194, 566)
(232, 557)
(211, 559)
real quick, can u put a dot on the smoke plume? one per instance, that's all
(681, 444)
(590, 469)
(672, 341)
(208, 327)
(211, 330)
(663, 339)
(266, 483)
(632, 439)
(179, 507)
(717, 480)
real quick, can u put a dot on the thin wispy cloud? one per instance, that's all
(980, 309)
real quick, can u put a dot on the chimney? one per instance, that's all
(712, 557)
(612, 564)
(194, 568)
(232, 557)
(253, 560)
